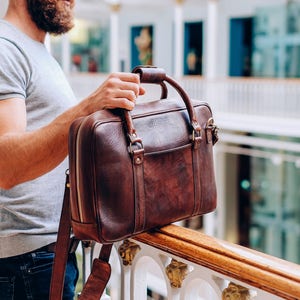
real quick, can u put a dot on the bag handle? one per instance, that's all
(154, 75)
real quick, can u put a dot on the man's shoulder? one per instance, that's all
(8, 30)
(9, 37)
(10, 50)
(6, 42)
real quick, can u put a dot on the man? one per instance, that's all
(37, 107)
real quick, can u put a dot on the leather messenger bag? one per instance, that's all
(134, 171)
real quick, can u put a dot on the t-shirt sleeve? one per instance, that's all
(14, 71)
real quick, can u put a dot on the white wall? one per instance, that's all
(161, 17)
(162, 23)
(235, 9)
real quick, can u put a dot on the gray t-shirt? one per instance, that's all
(30, 212)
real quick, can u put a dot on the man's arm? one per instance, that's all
(27, 155)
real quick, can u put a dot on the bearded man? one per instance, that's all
(37, 107)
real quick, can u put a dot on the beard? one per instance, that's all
(53, 16)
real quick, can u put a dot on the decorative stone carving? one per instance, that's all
(235, 292)
(176, 272)
(128, 251)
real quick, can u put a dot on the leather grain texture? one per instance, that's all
(99, 277)
(130, 172)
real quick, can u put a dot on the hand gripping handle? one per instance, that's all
(153, 75)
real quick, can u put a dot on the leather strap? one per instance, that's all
(196, 155)
(101, 270)
(61, 248)
(139, 191)
(99, 277)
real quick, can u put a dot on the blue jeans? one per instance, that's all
(28, 276)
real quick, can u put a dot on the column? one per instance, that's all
(178, 39)
(66, 53)
(211, 220)
(114, 37)
(212, 39)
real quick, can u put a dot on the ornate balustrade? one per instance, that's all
(269, 106)
(179, 263)
(255, 96)
(250, 105)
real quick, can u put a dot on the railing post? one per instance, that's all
(114, 37)
(178, 36)
(212, 39)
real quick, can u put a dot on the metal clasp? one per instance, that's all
(134, 139)
(214, 129)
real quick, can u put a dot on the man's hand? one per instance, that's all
(120, 90)
(27, 155)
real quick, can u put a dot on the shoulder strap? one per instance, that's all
(101, 270)
(61, 248)
(100, 274)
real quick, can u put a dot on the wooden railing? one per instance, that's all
(179, 263)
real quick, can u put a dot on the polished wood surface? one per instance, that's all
(259, 270)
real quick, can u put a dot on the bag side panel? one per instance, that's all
(208, 196)
(83, 176)
(114, 182)
(73, 132)
(168, 168)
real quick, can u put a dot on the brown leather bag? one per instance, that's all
(131, 172)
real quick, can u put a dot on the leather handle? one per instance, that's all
(154, 75)
(150, 74)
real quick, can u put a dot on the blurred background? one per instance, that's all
(243, 58)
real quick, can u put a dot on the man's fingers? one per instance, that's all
(142, 91)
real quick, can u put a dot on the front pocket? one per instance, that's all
(39, 274)
(42, 262)
(7, 288)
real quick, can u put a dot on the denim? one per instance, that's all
(28, 276)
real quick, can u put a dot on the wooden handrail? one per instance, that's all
(273, 275)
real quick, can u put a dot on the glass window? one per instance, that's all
(89, 47)
(269, 198)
